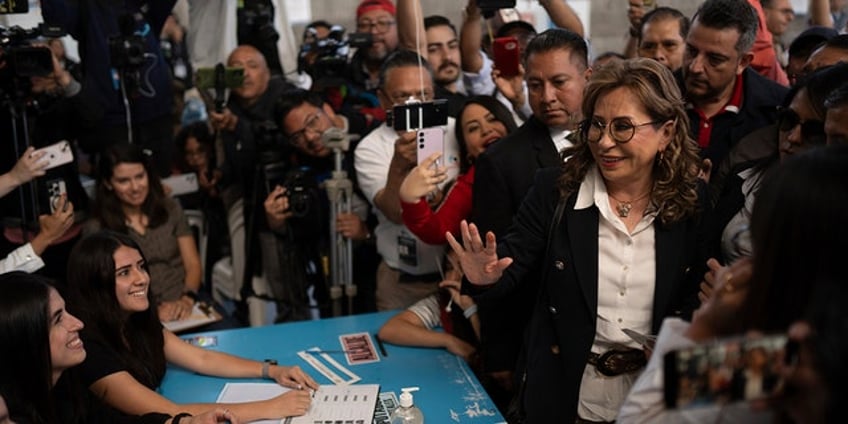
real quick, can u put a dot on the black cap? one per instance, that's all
(510, 26)
(804, 44)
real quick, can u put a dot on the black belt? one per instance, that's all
(616, 362)
(433, 277)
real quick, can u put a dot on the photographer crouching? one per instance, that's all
(301, 217)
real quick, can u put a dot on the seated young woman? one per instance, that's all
(482, 121)
(130, 200)
(128, 347)
(37, 380)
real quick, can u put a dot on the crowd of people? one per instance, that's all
(688, 187)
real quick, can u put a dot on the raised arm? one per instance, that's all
(563, 16)
(411, 34)
(820, 13)
(470, 35)
(635, 12)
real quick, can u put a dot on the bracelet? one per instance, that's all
(266, 365)
(471, 310)
(178, 417)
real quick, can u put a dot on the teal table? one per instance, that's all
(450, 393)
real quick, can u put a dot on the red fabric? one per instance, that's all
(431, 226)
(765, 59)
(705, 129)
(369, 5)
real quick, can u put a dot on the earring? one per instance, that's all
(662, 155)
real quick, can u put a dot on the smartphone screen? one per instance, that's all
(205, 78)
(724, 371)
(506, 55)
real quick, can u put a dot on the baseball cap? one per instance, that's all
(369, 5)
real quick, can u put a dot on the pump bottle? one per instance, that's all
(407, 412)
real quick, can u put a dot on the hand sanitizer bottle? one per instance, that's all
(407, 413)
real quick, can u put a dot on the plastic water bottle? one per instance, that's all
(407, 412)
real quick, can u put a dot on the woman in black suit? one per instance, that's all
(614, 231)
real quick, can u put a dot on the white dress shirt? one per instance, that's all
(626, 280)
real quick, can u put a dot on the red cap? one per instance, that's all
(369, 5)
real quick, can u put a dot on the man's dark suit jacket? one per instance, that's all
(562, 328)
(504, 175)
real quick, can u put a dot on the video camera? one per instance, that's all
(325, 59)
(256, 24)
(19, 60)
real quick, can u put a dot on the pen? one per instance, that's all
(380, 345)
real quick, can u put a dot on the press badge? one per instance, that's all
(407, 250)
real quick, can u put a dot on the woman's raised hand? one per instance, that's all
(423, 179)
(479, 261)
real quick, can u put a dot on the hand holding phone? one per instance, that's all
(430, 141)
(506, 56)
(725, 371)
(56, 154)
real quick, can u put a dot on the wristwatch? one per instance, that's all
(266, 365)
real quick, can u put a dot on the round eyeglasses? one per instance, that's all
(621, 130)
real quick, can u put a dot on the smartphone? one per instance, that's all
(414, 116)
(430, 140)
(649, 4)
(55, 189)
(182, 183)
(724, 371)
(507, 56)
(205, 78)
(57, 154)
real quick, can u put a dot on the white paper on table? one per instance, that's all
(348, 402)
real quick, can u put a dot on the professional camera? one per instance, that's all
(19, 60)
(256, 24)
(325, 59)
(127, 49)
(301, 188)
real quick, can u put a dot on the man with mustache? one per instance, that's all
(726, 98)
(443, 55)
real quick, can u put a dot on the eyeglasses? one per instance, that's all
(812, 131)
(621, 130)
(313, 125)
(382, 25)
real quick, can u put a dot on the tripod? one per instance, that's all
(339, 191)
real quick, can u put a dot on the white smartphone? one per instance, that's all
(182, 184)
(55, 189)
(430, 140)
(57, 154)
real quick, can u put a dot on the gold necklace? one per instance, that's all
(623, 208)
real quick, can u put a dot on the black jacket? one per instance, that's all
(760, 99)
(504, 175)
(562, 329)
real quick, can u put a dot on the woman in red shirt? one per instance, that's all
(482, 121)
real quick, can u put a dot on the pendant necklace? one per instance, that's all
(623, 208)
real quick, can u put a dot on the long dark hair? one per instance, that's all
(136, 337)
(26, 370)
(107, 207)
(497, 109)
(797, 235)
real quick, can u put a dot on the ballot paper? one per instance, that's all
(349, 403)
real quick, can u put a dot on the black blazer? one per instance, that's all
(504, 175)
(563, 321)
